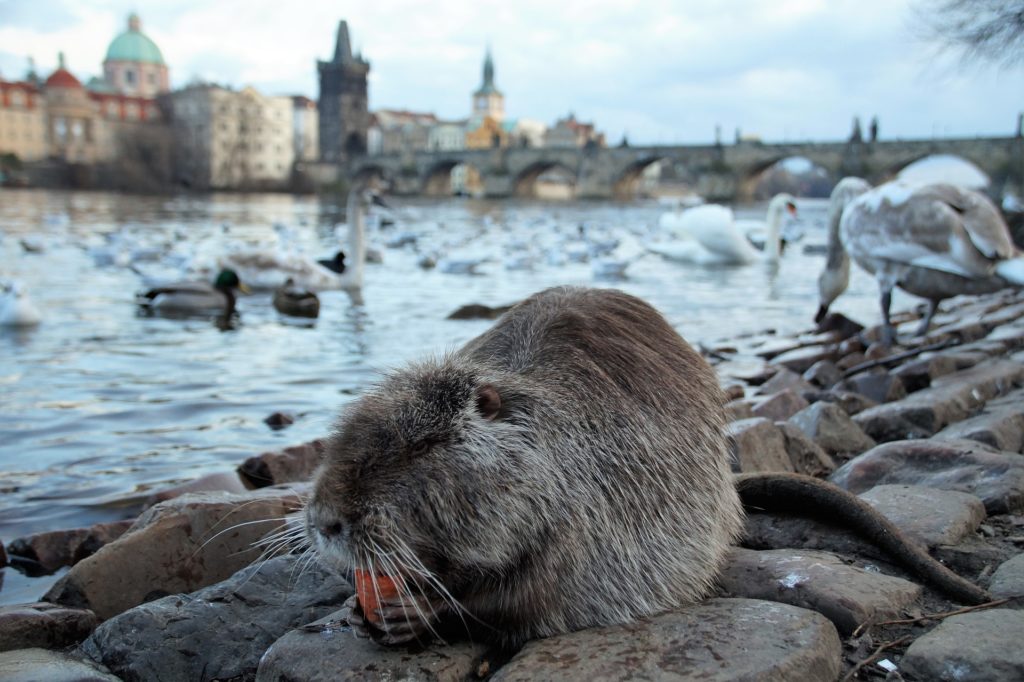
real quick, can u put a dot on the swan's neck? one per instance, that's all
(356, 239)
(773, 239)
(836, 276)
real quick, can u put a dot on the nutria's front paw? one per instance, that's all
(399, 619)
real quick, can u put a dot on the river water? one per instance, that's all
(101, 406)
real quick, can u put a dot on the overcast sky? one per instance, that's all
(662, 72)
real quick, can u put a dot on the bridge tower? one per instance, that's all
(488, 100)
(343, 106)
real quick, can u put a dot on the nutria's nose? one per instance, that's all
(330, 528)
(326, 523)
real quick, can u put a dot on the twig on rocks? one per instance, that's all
(939, 345)
(932, 616)
(871, 659)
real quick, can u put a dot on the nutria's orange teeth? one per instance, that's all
(372, 589)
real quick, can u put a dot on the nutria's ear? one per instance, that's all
(488, 402)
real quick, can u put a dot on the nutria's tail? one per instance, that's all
(802, 494)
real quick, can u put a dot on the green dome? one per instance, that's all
(134, 46)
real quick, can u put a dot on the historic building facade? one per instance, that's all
(134, 64)
(306, 128)
(231, 139)
(343, 106)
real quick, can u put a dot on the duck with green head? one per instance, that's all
(194, 298)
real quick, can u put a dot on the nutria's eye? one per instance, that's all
(419, 448)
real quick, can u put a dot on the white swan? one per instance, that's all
(16, 308)
(711, 235)
(267, 269)
(934, 241)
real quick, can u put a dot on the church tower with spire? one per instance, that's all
(343, 107)
(488, 100)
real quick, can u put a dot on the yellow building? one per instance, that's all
(22, 120)
(489, 134)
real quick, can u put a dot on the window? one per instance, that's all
(17, 98)
(129, 77)
(152, 78)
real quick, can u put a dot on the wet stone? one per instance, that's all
(779, 406)
(37, 665)
(999, 425)
(880, 387)
(978, 646)
(177, 546)
(996, 478)
(43, 625)
(223, 481)
(782, 380)
(719, 639)
(335, 654)
(919, 374)
(296, 463)
(801, 359)
(1008, 580)
(832, 429)
(804, 454)
(738, 409)
(850, 402)
(846, 595)
(823, 374)
(170, 638)
(279, 420)
(757, 445)
(932, 517)
(53, 549)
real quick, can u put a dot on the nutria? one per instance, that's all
(566, 469)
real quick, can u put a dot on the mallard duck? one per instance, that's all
(291, 300)
(934, 241)
(194, 298)
(16, 308)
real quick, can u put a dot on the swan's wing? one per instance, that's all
(979, 218)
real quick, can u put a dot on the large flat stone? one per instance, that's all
(801, 359)
(964, 466)
(177, 546)
(1000, 424)
(43, 665)
(778, 406)
(720, 639)
(832, 429)
(292, 464)
(982, 646)
(336, 655)
(758, 445)
(51, 550)
(951, 398)
(804, 454)
(846, 595)
(170, 638)
(43, 625)
(933, 518)
(1008, 580)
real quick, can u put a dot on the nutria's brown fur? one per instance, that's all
(566, 469)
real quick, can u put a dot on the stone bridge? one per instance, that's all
(718, 172)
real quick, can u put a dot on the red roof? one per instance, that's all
(62, 78)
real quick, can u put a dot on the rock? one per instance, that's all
(963, 331)
(478, 311)
(738, 409)
(279, 420)
(918, 374)
(782, 380)
(753, 371)
(757, 445)
(225, 481)
(999, 425)
(733, 391)
(831, 428)
(719, 639)
(843, 326)
(53, 549)
(296, 463)
(170, 638)
(35, 665)
(848, 360)
(880, 387)
(804, 454)
(3, 556)
(964, 466)
(823, 374)
(779, 406)
(336, 655)
(846, 595)
(931, 517)
(1008, 580)
(177, 546)
(850, 402)
(801, 359)
(950, 398)
(851, 345)
(978, 646)
(43, 625)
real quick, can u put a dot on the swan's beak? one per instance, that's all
(820, 315)
(791, 207)
(376, 199)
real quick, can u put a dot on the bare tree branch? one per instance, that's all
(989, 30)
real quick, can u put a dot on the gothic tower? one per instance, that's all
(488, 100)
(344, 115)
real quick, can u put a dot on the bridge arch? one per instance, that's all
(627, 183)
(526, 184)
(451, 176)
(372, 173)
(796, 174)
